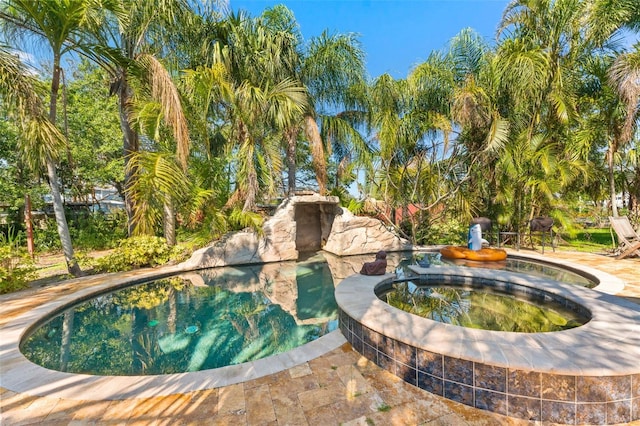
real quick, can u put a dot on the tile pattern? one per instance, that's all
(528, 395)
(340, 387)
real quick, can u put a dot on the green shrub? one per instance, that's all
(16, 269)
(45, 236)
(356, 207)
(93, 231)
(449, 233)
(238, 219)
(99, 231)
(140, 252)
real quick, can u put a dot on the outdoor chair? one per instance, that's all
(628, 238)
(543, 225)
(509, 236)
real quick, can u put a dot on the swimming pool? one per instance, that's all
(208, 319)
(191, 322)
(22, 376)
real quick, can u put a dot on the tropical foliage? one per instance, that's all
(140, 252)
(201, 118)
(16, 267)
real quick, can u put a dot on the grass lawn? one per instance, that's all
(590, 240)
(51, 267)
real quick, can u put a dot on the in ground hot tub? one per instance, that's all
(473, 303)
(589, 374)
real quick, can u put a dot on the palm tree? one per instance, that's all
(247, 89)
(478, 110)
(22, 91)
(333, 69)
(603, 117)
(605, 20)
(546, 47)
(539, 67)
(159, 180)
(120, 43)
(330, 67)
(58, 23)
(625, 76)
(416, 164)
(251, 112)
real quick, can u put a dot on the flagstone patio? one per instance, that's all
(339, 387)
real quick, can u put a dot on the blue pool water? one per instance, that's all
(197, 321)
(214, 318)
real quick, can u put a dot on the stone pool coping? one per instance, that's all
(608, 345)
(607, 283)
(18, 374)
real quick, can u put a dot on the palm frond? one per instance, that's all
(498, 135)
(625, 76)
(342, 134)
(332, 64)
(40, 141)
(18, 84)
(524, 69)
(317, 150)
(157, 177)
(164, 91)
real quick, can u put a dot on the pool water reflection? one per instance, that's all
(191, 322)
(484, 307)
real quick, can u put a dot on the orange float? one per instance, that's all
(454, 252)
(482, 255)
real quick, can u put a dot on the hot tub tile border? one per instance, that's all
(522, 394)
(548, 396)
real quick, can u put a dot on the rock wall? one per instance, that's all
(277, 243)
(359, 235)
(301, 223)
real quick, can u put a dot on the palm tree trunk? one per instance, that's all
(169, 222)
(612, 182)
(130, 144)
(65, 344)
(290, 136)
(252, 176)
(61, 221)
(28, 224)
(317, 152)
(173, 311)
(634, 196)
(252, 188)
(58, 206)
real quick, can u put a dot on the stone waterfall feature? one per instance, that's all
(300, 224)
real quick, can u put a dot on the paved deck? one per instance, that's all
(340, 387)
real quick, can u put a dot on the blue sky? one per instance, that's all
(396, 35)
